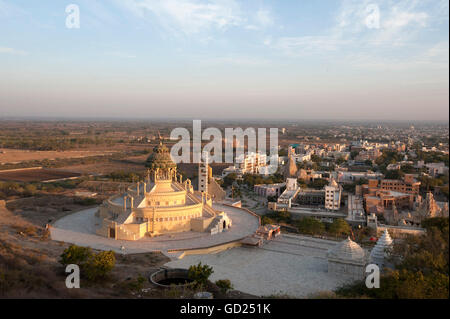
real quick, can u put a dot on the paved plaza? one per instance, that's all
(79, 228)
(292, 265)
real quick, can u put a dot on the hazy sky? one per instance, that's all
(226, 59)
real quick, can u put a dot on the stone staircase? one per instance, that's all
(216, 226)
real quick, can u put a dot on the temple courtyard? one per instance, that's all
(290, 265)
(80, 229)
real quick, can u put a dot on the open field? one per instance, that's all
(13, 156)
(35, 175)
(133, 164)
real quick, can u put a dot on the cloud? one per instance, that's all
(438, 53)
(242, 61)
(12, 51)
(8, 10)
(264, 17)
(123, 55)
(306, 45)
(435, 57)
(189, 16)
(401, 19)
(396, 26)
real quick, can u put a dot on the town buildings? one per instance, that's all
(408, 185)
(267, 190)
(253, 163)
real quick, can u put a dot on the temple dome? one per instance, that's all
(347, 251)
(160, 158)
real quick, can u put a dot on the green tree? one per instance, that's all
(75, 255)
(339, 227)
(311, 226)
(316, 158)
(99, 265)
(394, 174)
(421, 267)
(224, 285)
(229, 179)
(340, 161)
(93, 266)
(368, 162)
(318, 183)
(200, 274)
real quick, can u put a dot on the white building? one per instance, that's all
(332, 196)
(355, 210)
(302, 157)
(291, 192)
(347, 259)
(249, 163)
(203, 173)
(266, 190)
(350, 177)
(381, 250)
(253, 163)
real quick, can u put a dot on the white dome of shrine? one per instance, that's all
(347, 251)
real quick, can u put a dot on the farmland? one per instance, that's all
(36, 174)
(14, 156)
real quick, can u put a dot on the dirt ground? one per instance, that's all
(44, 209)
(35, 175)
(17, 156)
(29, 265)
(29, 259)
(132, 164)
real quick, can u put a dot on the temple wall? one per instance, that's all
(132, 231)
(200, 224)
(353, 271)
(173, 226)
(106, 225)
(166, 199)
(169, 219)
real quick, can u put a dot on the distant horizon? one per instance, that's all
(238, 120)
(207, 59)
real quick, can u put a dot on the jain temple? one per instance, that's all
(161, 204)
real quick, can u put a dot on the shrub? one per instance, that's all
(200, 273)
(311, 226)
(76, 255)
(85, 201)
(93, 266)
(224, 285)
(266, 220)
(99, 265)
(339, 227)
